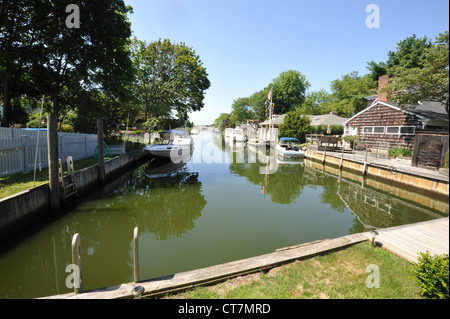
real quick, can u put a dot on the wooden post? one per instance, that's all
(136, 254)
(52, 144)
(365, 161)
(76, 260)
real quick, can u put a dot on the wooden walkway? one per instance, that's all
(408, 240)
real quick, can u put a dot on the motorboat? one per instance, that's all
(176, 144)
(287, 149)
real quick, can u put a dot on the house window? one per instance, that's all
(404, 130)
(392, 129)
(407, 130)
(378, 129)
(367, 129)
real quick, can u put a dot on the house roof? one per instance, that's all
(425, 110)
(429, 109)
(277, 120)
(327, 119)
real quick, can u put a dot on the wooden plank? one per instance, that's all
(220, 272)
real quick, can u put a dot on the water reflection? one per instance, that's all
(373, 207)
(285, 181)
(163, 198)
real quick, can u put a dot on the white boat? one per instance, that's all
(287, 149)
(235, 135)
(194, 131)
(176, 145)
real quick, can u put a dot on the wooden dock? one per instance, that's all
(408, 240)
(405, 241)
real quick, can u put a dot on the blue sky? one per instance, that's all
(245, 44)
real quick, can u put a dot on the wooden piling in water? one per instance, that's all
(136, 254)
(76, 260)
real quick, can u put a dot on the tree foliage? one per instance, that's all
(349, 94)
(289, 90)
(410, 53)
(169, 77)
(295, 125)
(429, 80)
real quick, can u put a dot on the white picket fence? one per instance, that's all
(18, 149)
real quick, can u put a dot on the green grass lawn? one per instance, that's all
(15, 183)
(337, 275)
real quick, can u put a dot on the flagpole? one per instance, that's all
(270, 117)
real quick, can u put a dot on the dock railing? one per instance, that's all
(382, 150)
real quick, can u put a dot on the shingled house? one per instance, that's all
(386, 121)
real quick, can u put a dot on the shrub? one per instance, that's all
(400, 151)
(362, 147)
(432, 274)
(350, 139)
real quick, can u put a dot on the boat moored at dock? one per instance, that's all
(287, 149)
(176, 144)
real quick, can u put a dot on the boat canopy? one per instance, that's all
(288, 139)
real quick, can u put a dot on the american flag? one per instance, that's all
(269, 97)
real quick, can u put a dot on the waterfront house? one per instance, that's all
(388, 122)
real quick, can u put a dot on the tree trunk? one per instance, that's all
(101, 151)
(53, 157)
(7, 107)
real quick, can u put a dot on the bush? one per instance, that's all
(362, 147)
(432, 275)
(295, 125)
(399, 151)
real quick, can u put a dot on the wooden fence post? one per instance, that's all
(76, 260)
(136, 254)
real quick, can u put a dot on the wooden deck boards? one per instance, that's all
(408, 240)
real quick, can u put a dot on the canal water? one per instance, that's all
(227, 202)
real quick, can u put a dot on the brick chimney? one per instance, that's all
(382, 82)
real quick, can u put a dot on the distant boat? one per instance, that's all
(287, 149)
(176, 144)
(235, 135)
(194, 131)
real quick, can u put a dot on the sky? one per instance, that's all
(245, 44)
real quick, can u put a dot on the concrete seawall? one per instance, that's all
(426, 181)
(20, 210)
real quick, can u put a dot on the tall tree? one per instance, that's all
(17, 36)
(241, 110)
(169, 77)
(429, 80)
(349, 93)
(316, 103)
(70, 60)
(410, 53)
(289, 90)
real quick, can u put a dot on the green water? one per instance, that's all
(224, 204)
